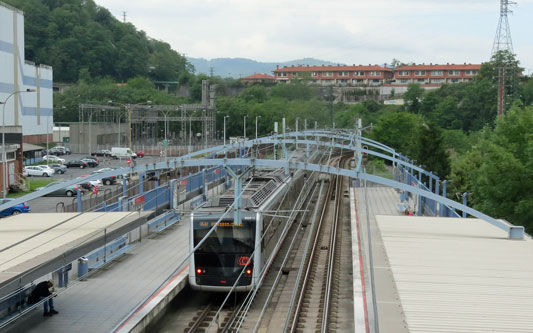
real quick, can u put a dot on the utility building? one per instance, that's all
(33, 110)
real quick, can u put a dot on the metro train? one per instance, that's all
(218, 262)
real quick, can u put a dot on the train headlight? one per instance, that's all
(248, 271)
(200, 271)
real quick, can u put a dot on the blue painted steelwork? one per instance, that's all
(185, 161)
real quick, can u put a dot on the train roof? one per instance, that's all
(258, 189)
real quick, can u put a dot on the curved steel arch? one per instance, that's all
(515, 232)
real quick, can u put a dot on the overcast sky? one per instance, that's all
(344, 31)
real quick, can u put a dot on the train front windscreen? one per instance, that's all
(225, 253)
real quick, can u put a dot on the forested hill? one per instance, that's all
(240, 67)
(81, 39)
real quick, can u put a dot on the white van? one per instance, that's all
(119, 152)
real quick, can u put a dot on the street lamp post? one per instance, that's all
(257, 117)
(4, 155)
(225, 134)
(245, 127)
(297, 118)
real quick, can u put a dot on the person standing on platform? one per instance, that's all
(43, 290)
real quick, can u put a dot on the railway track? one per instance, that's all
(307, 272)
(211, 318)
(316, 294)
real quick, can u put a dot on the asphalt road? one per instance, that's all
(48, 204)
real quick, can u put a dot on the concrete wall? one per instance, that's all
(84, 137)
(33, 111)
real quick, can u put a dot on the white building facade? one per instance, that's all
(31, 110)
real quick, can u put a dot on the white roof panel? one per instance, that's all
(459, 275)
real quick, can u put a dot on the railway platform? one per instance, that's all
(100, 302)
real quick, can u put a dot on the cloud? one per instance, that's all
(347, 31)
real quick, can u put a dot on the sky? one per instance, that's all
(343, 31)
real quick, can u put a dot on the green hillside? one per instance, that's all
(78, 37)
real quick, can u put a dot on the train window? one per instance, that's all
(227, 238)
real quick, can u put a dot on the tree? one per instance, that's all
(429, 150)
(255, 93)
(397, 130)
(413, 96)
(506, 61)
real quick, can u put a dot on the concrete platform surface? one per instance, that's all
(106, 297)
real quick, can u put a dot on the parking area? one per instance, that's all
(49, 204)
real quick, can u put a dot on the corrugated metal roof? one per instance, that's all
(459, 275)
(30, 147)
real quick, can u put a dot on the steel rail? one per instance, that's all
(251, 295)
(274, 285)
(310, 261)
(331, 254)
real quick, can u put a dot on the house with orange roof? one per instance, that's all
(260, 77)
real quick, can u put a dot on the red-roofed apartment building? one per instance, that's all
(429, 76)
(435, 74)
(371, 75)
(258, 78)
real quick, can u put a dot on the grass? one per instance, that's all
(32, 184)
(378, 168)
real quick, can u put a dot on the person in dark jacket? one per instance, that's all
(43, 290)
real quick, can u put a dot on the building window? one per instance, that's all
(315, 74)
(454, 73)
(436, 80)
(420, 73)
(404, 81)
(455, 80)
(328, 74)
(359, 73)
(344, 74)
(9, 155)
(375, 81)
(421, 81)
(403, 73)
(373, 73)
(436, 73)
(471, 72)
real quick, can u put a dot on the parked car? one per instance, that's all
(119, 152)
(56, 151)
(96, 182)
(107, 180)
(65, 150)
(76, 164)
(15, 210)
(38, 171)
(53, 159)
(94, 158)
(68, 191)
(139, 153)
(90, 162)
(58, 168)
(47, 168)
(105, 153)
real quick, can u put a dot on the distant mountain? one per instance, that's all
(240, 67)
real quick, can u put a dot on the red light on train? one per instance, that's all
(223, 281)
(199, 271)
(243, 261)
(248, 272)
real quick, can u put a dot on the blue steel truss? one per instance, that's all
(335, 140)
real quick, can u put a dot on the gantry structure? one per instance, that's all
(309, 141)
(146, 118)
